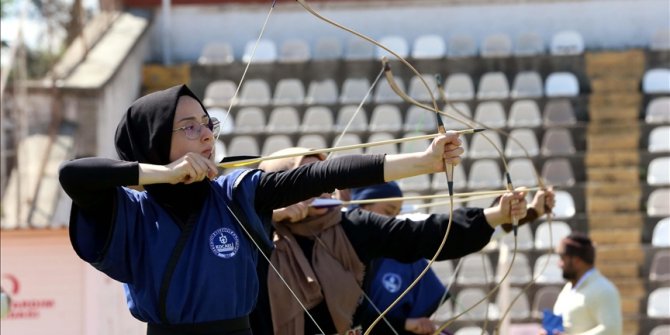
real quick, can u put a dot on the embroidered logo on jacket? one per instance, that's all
(224, 243)
(391, 282)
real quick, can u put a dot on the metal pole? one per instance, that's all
(166, 14)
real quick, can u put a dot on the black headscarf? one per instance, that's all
(144, 135)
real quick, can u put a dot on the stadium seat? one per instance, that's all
(322, 92)
(219, 151)
(443, 312)
(491, 114)
(658, 111)
(275, 143)
(660, 330)
(559, 113)
(255, 92)
(358, 49)
(419, 119)
(439, 180)
(471, 330)
(658, 171)
(552, 273)
(659, 139)
(459, 116)
(216, 53)
(496, 45)
(429, 47)
(524, 328)
(289, 91)
(419, 183)
(561, 84)
(317, 119)
(658, 203)
(385, 118)
(347, 139)
(549, 234)
(384, 93)
(219, 93)
(312, 141)
(522, 142)
(656, 81)
(344, 117)
(565, 205)
(294, 50)
(460, 46)
(418, 90)
(658, 303)
(250, 120)
(660, 41)
(444, 270)
(557, 142)
(327, 48)
(529, 44)
(524, 113)
(484, 173)
(283, 120)
(459, 86)
(558, 172)
(493, 85)
(566, 43)
(243, 145)
(397, 44)
(527, 84)
(467, 298)
(545, 298)
(381, 149)
(227, 125)
(485, 145)
(521, 308)
(520, 272)
(476, 269)
(354, 90)
(266, 52)
(522, 172)
(660, 237)
(660, 266)
(414, 146)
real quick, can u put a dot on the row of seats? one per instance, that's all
(458, 87)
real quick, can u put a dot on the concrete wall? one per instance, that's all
(605, 24)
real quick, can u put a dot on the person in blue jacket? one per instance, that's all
(184, 242)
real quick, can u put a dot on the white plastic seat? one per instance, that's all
(460, 46)
(397, 44)
(658, 203)
(347, 139)
(660, 41)
(418, 183)
(660, 237)
(243, 145)
(658, 172)
(419, 119)
(274, 143)
(561, 84)
(327, 48)
(381, 149)
(545, 298)
(559, 113)
(385, 118)
(317, 119)
(527, 84)
(322, 92)
(294, 50)
(358, 49)
(312, 141)
(219, 93)
(266, 52)
(283, 120)
(250, 120)
(460, 116)
(659, 270)
(384, 93)
(471, 330)
(289, 91)
(459, 86)
(660, 330)
(529, 44)
(429, 47)
(557, 142)
(443, 270)
(219, 150)
(659, 139)
(658, 111)
(656, 81)
(520, 272)
(558, 172)
(443, 312)
(552, 274)
(658, 304)
(476, 269)
(524, 113)
(496, 45)
(216, 53)
(485, 145)
(491, 114)
(354, 90)
(565, 205)
(227, 124)
(522, 172)
(493, 85)
(344, 115)
(418, 91)
(548, 236)
(566, 43)
(255, 92)
(525, 145)
(414, 146)
(521, 308)
(484, 173)
(468, 297)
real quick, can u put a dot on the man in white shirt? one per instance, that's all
(589, 303)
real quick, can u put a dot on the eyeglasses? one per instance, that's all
(193, 129)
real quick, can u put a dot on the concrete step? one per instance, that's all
(630, 175)
(595, 158)
(630, 288)
(615, 99)
(609, 204)
(616, 236)
(615, 63)
(620, 253)
(616, 220)
(623, 269)
(614, 140)
(605, 84)
(599, 188)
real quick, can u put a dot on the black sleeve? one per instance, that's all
(279, 189)
(374, 235)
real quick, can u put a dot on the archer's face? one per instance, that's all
(193, 135)
(387, 208)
